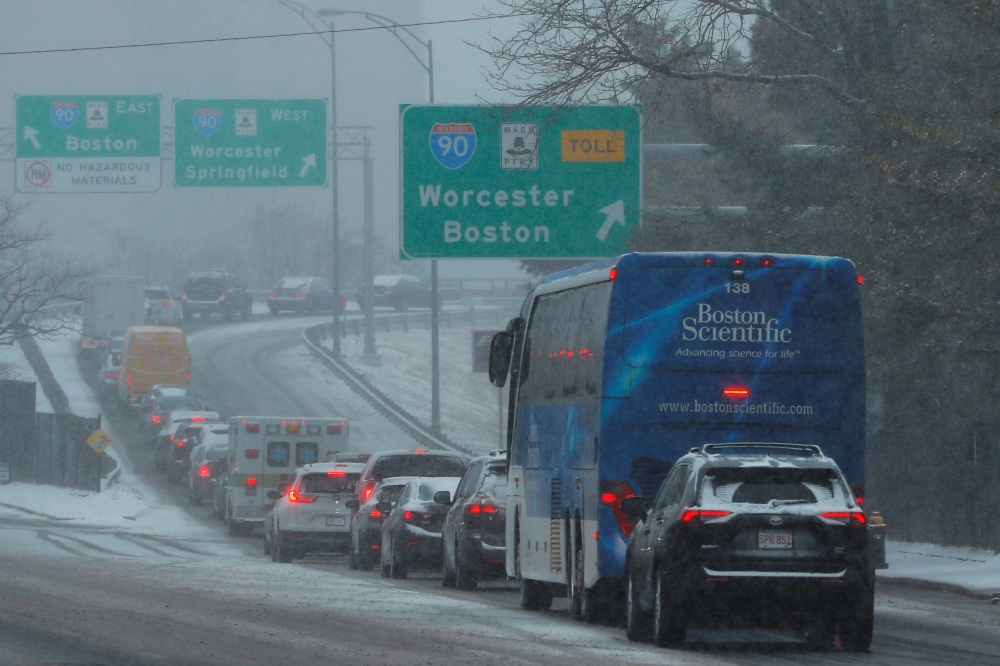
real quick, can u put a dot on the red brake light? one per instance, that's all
(333, 429)
(252, 454)
(612, 493)
(420, 451)
(252, 481)
(180, 443)
(294, 496)
(165, 304)
(690, 514)
(613, 273)
(767, 262)
(408, 515)
(845, 516)
(222, 295)
(861, 280)
(708, 261)
(735, 392)
(368, 491)
(197, 419)
(301, 294)
(336, 473)
(253, 427)
(737, 262)
(203, 471)
(375, 513)
(272, 293)
(157, 418)
(474, 508)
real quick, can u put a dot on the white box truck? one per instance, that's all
(110, 303)
(265, 451)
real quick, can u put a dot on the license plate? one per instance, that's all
(336, 521)
(774, 539)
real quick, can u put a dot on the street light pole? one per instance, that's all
(335, 195)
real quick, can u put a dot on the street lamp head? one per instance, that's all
(331, 12)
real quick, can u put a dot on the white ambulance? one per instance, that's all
(265, 451)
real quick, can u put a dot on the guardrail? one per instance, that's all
(383, 403)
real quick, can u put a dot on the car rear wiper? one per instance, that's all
(779, 502)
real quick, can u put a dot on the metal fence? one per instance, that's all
(62, 455)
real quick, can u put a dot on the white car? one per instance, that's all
(161, 308)
(310, 513)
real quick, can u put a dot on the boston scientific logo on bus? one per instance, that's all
(737, 326)
(453, 144)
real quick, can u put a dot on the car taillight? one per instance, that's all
(197, 419)
(368, 490)
(300, 294)
(481, 504)
(845, 516)
(222, 295)
(375, 513)
(691, 515)
(272, 293)
(157, 419)
(203, 471)
(408, 515)
(336, 473)
(165, 304)
(294, 496)
(184, 293)
(180, 443)
(612, 493)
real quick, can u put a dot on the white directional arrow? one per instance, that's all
(615, 213)
(308, 161)
(31, 134)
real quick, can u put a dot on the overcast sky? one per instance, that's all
(375, 74)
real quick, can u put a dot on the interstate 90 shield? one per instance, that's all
(207, 121)
(64, 114)
(453, 144)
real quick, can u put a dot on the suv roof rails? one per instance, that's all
(802, 449)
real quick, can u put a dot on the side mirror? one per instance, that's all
(634, 506)
(384, 507)
(281, 488)
(500, 350)
(273, 494)
(353, 505)
(442, 497)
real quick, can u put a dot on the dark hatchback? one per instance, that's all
(411, 535)
(300, 294)
(366, 527)
(215, 292)
(417, 462)
(475, 530)
(766, 534)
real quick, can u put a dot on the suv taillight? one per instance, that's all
(294, 496)
(204, 471)
(612, 493)
(222, 295)
(693, 516)
(845, 516)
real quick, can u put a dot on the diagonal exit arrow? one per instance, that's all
(309, 161)
(615, 213)
(31, 134)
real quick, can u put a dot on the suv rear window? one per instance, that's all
(326, 484)
(417, 464)
(158, 294)
(293, 283)
(180, 403)
(754, 485)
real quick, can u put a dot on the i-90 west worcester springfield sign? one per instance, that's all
(519, 182)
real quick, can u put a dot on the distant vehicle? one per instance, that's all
(398, 291)
(300, 294)
(475, 530)
(204, 471)
(168, 399)
(178, 437)
(265, 451)
(345, 456)
(788, 541)
(211, 292)
(411, 535)
(107, 375)
(152, 355)
(619, 367)
(112, 343)
(161, 308)
(310, 513)
(366, 528)
(147, 401)
(412, 462)
(109, 303)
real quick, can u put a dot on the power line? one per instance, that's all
(254, 37)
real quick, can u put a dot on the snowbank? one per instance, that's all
(60, 352)
(14, 365)
(970, 568)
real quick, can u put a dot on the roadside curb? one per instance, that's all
(360, 385)
(32, 513)
(935, 586)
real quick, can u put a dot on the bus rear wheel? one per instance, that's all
(535, 595)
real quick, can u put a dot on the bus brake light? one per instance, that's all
(735, 392)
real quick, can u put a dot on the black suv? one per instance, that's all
(475, 531)
(769, 532)
(207, 292)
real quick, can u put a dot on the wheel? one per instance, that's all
(465, 576)
(857, 624)
(821, 632)
(245, 315)
(447, 573)
(637, 622)
(283, 552)
(669, 623)
(535, 595)
(273, 309)
(232, 527)
(227, 314)
(268, 550)
(581, 600)
(193, 498)
(398, 567)
(352, 558)
(402, 305)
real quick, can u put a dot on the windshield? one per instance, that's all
(293, 283)
(216, 453)
(417, 465)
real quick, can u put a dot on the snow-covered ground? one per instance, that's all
(973, 569)
(60, 352)
(470, 405)
(14, 365)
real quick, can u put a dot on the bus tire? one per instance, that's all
(535, 595)
(582, 601)
(669, 621)
(637, 621)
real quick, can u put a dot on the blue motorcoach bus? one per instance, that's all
(618, 368)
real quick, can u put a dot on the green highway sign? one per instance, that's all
(519, 182)
(250, 142)
(87, 143)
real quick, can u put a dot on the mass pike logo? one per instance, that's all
(64, 114)
(453, 144)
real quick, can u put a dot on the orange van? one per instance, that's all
(152, 355)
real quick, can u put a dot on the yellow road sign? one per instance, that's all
(99, 440)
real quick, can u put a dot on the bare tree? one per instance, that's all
(31, 278)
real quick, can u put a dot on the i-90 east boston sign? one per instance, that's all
(519, 182)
